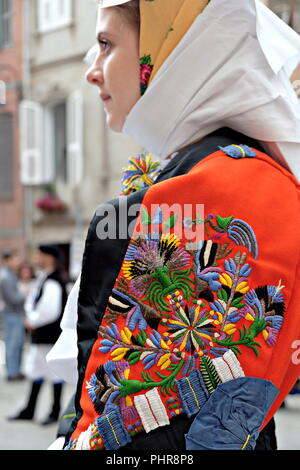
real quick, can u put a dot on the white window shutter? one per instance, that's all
(54, 14)
(75, 138)
(45, 14)
(2, 92)
(31, 144)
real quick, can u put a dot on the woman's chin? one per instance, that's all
(113, 124)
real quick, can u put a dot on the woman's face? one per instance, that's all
(116, 70)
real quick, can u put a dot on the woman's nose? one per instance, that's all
(94, 75)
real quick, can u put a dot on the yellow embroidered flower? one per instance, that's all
(126, 335)
(242, 288)
(265, 334)
(230, 328)
(249, 317)
(119, 353)
(164, 361)
(226, 280)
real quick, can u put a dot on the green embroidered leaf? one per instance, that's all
(223, 222)
(145, 217)
(222, 294)
(134, 357)
(144, 335)
(141, 337)
(209, 374)
(147, 377)
(160, 375)
(237, 301)
(198, 340)
(240, 305)
(244, 334)
(235, 350)
(171, 221)
(257, 326)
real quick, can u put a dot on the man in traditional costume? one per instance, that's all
(44, 308)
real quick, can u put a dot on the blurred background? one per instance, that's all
(59, 160)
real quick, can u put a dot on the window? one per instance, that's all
(52, 141)
(53, 14)
(63, 138)
(59, 139)
(6, 156)
(288, 11)
(5, 23)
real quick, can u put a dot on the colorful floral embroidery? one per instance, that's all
(139, 174)
(176, 322)
(157, 266)
(146, 68)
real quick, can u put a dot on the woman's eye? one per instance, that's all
(103, 44)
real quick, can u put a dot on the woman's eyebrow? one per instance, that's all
(106, 33)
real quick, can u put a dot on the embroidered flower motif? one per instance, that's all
(139, 174)
(150, 350)
(146, 68)
(265, 308)
(193, 329)
(237, 230)
(218, 311)
(104, 388)
(154, 266)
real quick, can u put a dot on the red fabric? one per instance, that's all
(267, 197)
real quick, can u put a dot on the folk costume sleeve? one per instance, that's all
(48, 308)
(63, 356)
(202, 317)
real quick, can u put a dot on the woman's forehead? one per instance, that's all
(108, 22)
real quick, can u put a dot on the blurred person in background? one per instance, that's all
(13, 314)
(26, 276)
(44, 306)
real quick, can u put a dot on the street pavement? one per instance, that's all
(24, 435)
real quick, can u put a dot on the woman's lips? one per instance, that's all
(104, 97)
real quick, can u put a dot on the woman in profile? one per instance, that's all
(188, 327)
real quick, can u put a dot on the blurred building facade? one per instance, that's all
(70, 160)
(12, 231)
(58, 159)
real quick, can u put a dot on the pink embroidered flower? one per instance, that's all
(146, 71)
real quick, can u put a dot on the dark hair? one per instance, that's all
(8, 254)
(26, 265)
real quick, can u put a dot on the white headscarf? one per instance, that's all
(231, 69)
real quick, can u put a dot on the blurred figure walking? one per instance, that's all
(44, 307)
(13, 314)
